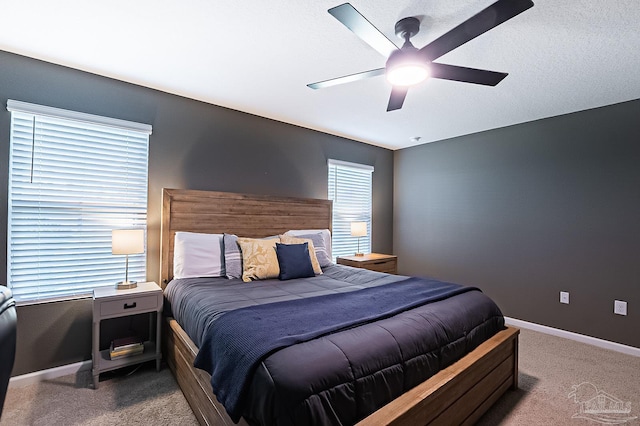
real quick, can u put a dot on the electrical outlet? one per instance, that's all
(620, 307)
(564, 297)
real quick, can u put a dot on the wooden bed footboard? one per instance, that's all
(459, 394)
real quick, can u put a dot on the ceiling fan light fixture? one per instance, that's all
(407, 75)
(406, 68)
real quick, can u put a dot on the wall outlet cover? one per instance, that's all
(564, 297)
(620, 307)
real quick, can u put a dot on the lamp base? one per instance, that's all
(123, 285)
(359, 254)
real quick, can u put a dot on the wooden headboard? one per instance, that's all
(245, 215)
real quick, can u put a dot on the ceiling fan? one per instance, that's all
(408, 66)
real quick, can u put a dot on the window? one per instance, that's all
(73, 178)
(350, 190)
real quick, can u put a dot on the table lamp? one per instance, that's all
(127, 241)
(359, 229)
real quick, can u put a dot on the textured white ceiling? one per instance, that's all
(257, 56)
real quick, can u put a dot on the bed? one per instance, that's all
(457, 394)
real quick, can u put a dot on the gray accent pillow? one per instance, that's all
(321, 251)
(232, 256)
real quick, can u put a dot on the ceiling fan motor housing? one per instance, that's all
(406, 66)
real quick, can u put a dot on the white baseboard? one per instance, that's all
(51, 373)
(601, 343)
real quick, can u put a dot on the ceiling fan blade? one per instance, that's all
(467, 75)
(397, 98)
(364, 29)
(491, 17)
(346, 79)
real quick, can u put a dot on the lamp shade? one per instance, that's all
(358, 229)
(127, 241)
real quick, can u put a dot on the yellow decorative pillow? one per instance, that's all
(259, 259)
(288, 239)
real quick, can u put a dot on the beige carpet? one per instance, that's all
(145, 397)
(549, 369)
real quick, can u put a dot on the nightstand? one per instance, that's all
(111, 303)
(373, 261)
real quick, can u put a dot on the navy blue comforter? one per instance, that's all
(235, 343)
(347, 371)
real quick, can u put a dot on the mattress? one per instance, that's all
(341, 377)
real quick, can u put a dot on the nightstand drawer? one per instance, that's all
(129, 306)
(388, 266)
(387, 263)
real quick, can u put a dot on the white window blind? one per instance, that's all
(350, 190)
(73, 178)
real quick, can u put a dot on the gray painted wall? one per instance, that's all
(194, 145)
(526, 211)
(523, 212)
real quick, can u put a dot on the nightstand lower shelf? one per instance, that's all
(108, 364)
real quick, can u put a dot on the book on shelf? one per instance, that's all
(126, 352)
(126, 346)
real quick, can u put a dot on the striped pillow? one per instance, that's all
(319, 241)
(232, 256)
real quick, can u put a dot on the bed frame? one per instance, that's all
(459, 394)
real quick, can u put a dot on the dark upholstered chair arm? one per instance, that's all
(8, 324)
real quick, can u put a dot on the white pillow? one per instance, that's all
(198, 255)
(325, 233)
